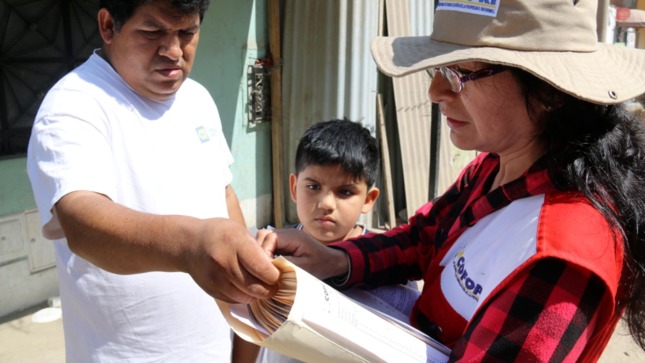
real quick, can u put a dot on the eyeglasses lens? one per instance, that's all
(453, 78)
(449, 75)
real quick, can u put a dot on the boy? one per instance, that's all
(333, 184)
(336, 168)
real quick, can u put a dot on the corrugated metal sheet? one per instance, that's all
(413, 109)
(328, 71)
(412, 106)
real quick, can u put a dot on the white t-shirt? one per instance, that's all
(94, 133)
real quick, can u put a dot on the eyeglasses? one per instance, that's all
(457, 79)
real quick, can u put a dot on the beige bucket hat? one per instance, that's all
(555, 40)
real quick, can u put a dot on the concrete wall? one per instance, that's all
(27, 264)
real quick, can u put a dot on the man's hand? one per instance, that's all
(219, 254)
(229, 265)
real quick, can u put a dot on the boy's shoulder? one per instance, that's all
(364, 228)
(299, 226)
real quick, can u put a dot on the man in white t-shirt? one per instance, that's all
(130, 171)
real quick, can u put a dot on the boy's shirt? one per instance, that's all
(365, 230)
(391, 295)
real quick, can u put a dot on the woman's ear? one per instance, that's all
(370, 199)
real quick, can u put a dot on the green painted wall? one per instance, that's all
(15, 190)
(233, 35)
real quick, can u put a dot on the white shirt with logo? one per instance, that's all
(94, 133)
(488, 252)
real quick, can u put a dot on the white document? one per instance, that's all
(311, 321)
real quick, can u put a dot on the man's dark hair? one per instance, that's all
(122, 10)
(342, 142)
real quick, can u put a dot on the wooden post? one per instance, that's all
(385, 161)
(275, 51)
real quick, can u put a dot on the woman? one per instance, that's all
(538, 248)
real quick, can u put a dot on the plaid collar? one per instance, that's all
(468, 200)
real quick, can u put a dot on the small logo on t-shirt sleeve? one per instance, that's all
(203, 134)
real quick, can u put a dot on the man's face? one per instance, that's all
(154, 50)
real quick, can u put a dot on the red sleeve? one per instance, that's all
(403, 253)
(384, 258)
(545, 315)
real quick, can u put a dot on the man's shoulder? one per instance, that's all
(191, 90)
(91, 74)
(193, 85)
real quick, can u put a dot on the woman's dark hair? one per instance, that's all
(122, 10)
(599, 150)
(342, 142)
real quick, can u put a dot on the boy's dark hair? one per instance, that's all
(342, 142)
(122, 10)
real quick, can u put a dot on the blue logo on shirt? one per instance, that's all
(470, 287)
(202, 133)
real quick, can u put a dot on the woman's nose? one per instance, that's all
(439, 89)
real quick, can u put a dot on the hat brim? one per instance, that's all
(609, 75)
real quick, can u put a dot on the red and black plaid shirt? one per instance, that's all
(544, 315)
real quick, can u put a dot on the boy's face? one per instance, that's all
(329, 201)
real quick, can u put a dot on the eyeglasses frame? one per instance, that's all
(463, 78)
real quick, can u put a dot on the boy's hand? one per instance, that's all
(304, 251)
(266, 238)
